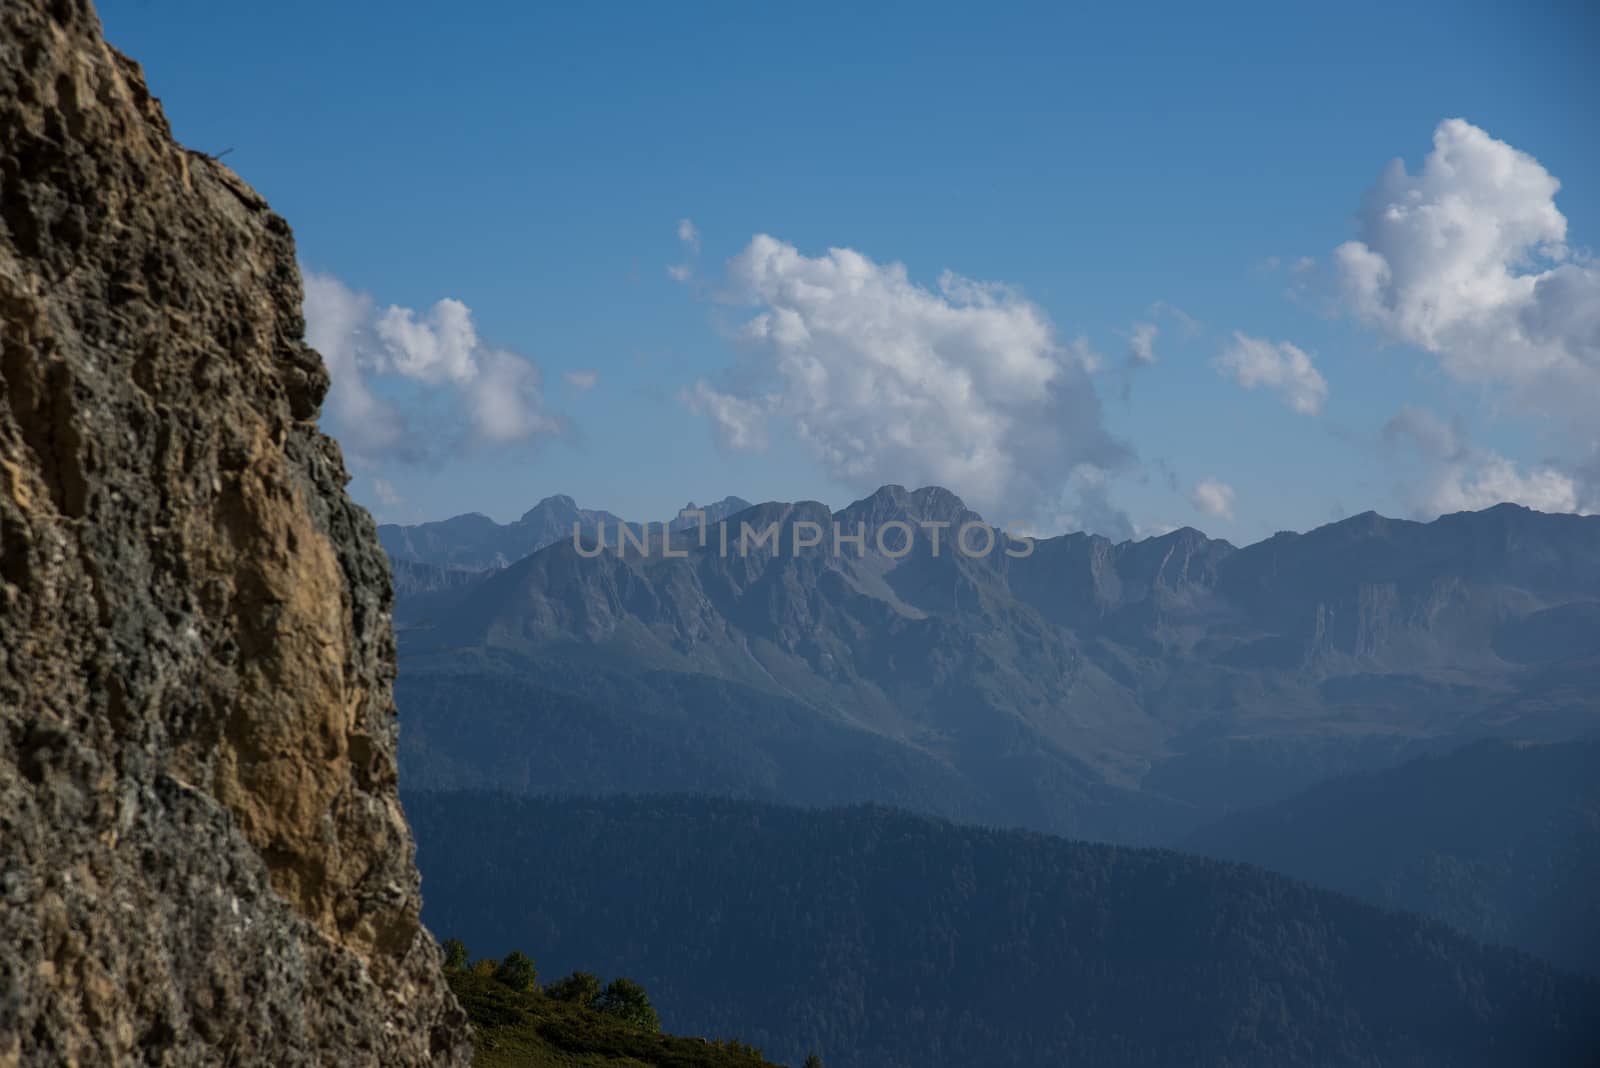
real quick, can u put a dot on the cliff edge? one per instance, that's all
(203, 859)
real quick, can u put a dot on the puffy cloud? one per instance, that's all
(583, 381)
(1494, 479)
(1214, 498)
(965, 385)
(1276, 365)
(1092, 508)
(338, 325)
(507, 399)
(439, 348)
(1468, 260)
(1460, 476)
(493, 396)
(740, 423)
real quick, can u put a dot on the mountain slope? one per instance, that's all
(1181, 675)
(886, 940)
(1499, 840)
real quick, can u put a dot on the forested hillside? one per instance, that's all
(1500, 840)
(885, 940)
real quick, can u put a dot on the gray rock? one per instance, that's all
(203, 858)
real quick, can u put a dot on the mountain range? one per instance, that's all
(1131, 692)
(474, 542)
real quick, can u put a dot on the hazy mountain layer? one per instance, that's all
(474, 542)
(1500, 840)
(1127, 690)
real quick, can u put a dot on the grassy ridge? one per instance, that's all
(516, 1029)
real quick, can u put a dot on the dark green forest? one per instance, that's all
(883, 939)
(1498, 839)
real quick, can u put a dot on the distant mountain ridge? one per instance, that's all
(474, 542)
(1130, 691)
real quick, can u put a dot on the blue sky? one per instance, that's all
(1181, 167)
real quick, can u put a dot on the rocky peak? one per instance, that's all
(203, 858)
(556, 507)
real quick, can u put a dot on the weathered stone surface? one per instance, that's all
(202, 854)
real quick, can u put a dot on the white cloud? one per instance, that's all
(884, 380)
(1214, 498)
(1277, 365)
(1468, 260)
(507, 399)
(740, 423)
(440, 348)
(1142, 343)
(492, 395)
(338, 325)
(1459, 476)
(680, 272)
(1493, 479)
(582, 381)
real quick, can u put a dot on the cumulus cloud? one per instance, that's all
(1468, 260)
(884, 380)
(1214, 498)
(1459, 476)
(338, 325)
(438, 348)
(1276, 365)
(1089, 495)
(740, 423)
(583, 381)
(393, 369)
(1494, 480)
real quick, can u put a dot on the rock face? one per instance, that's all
(203, 859)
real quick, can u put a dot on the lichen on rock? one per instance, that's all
(203, 859)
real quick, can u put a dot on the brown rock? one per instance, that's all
(202, 854)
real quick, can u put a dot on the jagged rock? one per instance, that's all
(203, 859)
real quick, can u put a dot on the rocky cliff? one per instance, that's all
(203, 859)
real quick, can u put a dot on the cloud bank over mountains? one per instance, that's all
(1466, 263)
(965, 384)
